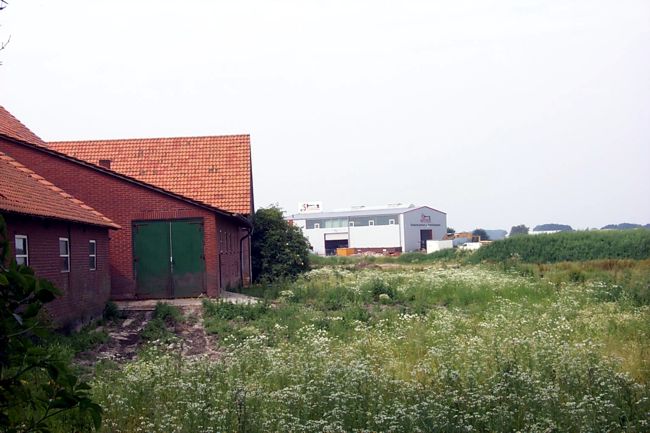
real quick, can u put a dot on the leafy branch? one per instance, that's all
(35, 386)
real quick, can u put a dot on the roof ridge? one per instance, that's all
(181, 137)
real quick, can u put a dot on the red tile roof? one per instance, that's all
(25, 192)
(13, 128)
(213, 170)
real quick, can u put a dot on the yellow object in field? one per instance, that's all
(345, 251)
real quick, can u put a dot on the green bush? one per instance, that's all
(169, 314)
(279, 249)
(378, 287)
(111, 312)
(164, 318)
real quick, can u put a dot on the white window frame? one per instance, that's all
(316, 225)
(391, 222)
(94, 256)
(371, 222)
(26, 255)
(67, 240)
(350, 223)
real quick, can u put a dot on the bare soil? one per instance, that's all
(124, 337)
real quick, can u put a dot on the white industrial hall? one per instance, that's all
(383, 229)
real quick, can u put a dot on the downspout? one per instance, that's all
(219, 257)
(249, 231)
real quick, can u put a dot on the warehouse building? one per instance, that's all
(388, 229)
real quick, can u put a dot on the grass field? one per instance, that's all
(440, 347)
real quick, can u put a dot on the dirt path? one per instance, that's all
(124, 334)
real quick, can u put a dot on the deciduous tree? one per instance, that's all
(519, 230)
(483, 235)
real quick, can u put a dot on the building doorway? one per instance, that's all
(332, 245)
(425, 235)
(168, 258)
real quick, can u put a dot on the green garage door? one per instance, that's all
(168, 258)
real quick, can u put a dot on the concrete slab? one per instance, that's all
(183, 303)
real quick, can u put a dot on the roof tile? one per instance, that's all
(25, 192)
(214, 170)
(13, 128)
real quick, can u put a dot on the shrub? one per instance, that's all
(378, 287)
(111, 312)
(279, 250)
(169, 314)
(165, 316)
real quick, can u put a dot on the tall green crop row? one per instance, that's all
(569, 246)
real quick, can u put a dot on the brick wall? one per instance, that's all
(123, 202)
(85, 291)
(230, 235)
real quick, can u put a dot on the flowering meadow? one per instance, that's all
(446, 347)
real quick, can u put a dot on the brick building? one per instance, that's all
(60, 237)
(177, 239)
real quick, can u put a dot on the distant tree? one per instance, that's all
(622, 226)
(553, 227)
(450, 230)
(496, 234)
(279, 249)
(482, 234)
(519, 230)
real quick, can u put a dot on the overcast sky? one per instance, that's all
(496, 112)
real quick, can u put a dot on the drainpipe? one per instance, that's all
(249, 231)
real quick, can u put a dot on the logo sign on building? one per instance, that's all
(425, 221)
(310, 207)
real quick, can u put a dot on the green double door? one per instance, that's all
(168, 258)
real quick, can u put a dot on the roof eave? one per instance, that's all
(111, 226)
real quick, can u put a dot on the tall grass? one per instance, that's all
(446, 348)
(569, 246)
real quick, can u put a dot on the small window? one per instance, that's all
(371, 222)
(64, 254)
(316, 225)
(92, 255)
(22, 250)
(391, 222)
(351, 223)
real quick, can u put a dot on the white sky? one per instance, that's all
(496, 112)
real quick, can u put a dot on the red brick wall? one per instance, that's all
(230, 235)
(85, 292)
(123, 202)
